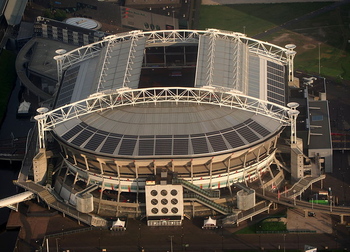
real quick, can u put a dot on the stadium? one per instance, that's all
(179, 111)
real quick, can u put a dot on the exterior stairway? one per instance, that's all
(207, 202)
(209, 194)
(202, 196)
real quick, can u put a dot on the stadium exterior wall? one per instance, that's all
(211, 172)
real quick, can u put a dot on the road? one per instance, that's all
(158, 239)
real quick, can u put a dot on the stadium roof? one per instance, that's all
(167, 129)
(100, 107)
(222, 61)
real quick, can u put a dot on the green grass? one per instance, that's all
(256, 18)
(8, 77)
(330, 29)
(266, 225)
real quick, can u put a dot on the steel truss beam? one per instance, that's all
(129, 97)
(156, 38)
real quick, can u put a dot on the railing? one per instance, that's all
(51, 201)
(205, 193)
(209, 203)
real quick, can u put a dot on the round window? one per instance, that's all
(164, 192)
(154, 201)
(173, 192)
(174, 210)
(174, 201)
(154, 193)
(154, 210)
(164, 210)
(164, 201)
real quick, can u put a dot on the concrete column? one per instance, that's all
(228, 184)
(101, 162)
(75, 160)
(244, 166)
(99, 202)
(119, 187)
(210, 172)
(86, 161)
(191, 171)
(154, 168)
(137, 180)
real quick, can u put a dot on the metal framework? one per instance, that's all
(129, 97)
(158, 38)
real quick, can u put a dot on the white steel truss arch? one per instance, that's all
(129, 97)
(156, 38)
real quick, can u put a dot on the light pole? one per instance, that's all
(319, 58)
(243, 29)
(57, 244)
(171, 243)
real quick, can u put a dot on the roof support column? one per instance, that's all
(86, 161)
(64, 181)
(75, 159)
(269, 146)
(41, 131)
(211, 172)
(137, 181)
(75, 179)
(101, 193)
(154, 168)
(191, 165)
(101, 162)
(172, 166)
(228, 166)
(119, 186)
(258, 173)
(293, 114)
(244, 170)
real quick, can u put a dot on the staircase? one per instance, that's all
(202, 196)
(209, 194)
(209, 203)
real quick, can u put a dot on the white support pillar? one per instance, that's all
(75, 179)
(154, 168)
(101, 193)
(290, 58)
(228, 184)
(137, 180)
(59, 61)
(86, 161)
(75, 159)
(172, 166)
(259, 151)
(244, 166)
(41, 132)
(211, 172)
(275, 143)
(101, 162)
(293, 114)
(269, 147)
(191, 170)
(119, 187)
